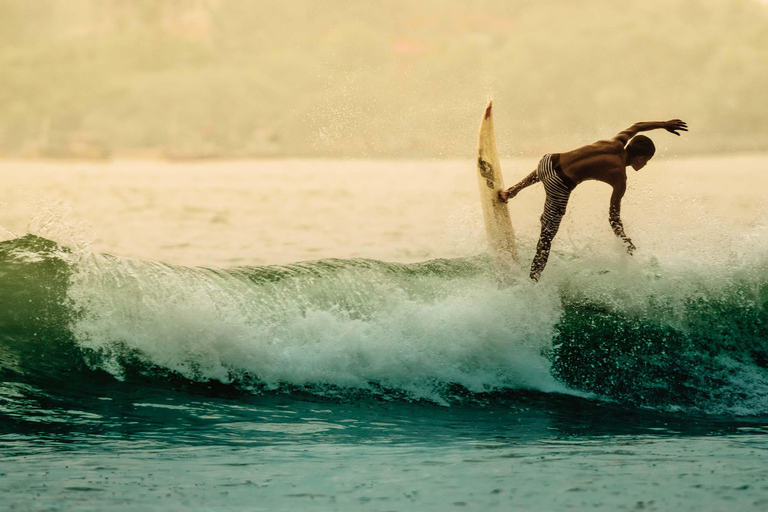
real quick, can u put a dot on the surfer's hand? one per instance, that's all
(675, 126)
(506, 195)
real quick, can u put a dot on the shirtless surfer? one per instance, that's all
(606, 161)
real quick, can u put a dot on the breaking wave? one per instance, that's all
(692, 337)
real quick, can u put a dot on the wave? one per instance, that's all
(690, 338)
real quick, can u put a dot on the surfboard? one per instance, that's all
(498, 225)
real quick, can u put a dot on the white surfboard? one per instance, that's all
(498, 225)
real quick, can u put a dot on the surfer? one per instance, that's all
(606, 161)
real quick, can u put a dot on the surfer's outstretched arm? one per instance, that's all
(505, 195)
(614, 216)
(673, 126)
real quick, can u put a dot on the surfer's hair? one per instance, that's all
(640, 146)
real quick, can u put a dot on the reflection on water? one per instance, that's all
(125, 447)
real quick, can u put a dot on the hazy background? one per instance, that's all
(394, 78)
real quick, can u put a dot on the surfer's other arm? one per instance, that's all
(614, 215)
(673, 126)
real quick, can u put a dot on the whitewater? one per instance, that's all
(157, 314)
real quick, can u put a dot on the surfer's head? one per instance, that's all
(639, 150)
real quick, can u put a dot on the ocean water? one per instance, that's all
(324, 335)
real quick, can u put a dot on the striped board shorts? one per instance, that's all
(558, 187)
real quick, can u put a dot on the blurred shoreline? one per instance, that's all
(204, 79)
(96, 155)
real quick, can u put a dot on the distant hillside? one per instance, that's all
(215, 78)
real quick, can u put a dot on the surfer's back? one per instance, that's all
(604, 160)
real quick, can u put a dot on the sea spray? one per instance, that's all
(689, 333)
(416, 328)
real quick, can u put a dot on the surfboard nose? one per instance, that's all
(488, 110)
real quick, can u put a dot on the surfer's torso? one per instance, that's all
(604, 160)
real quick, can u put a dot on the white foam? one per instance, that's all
(347, 330)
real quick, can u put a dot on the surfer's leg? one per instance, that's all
(558, 194)
(542, 252)
(554, 209)
(512, 191)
